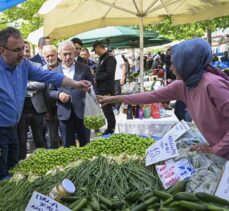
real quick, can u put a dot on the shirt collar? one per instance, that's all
(5, 65)
(64, 67)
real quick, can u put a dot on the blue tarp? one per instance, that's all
(221, 65)
(6, 4)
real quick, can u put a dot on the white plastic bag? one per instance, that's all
(93, 115)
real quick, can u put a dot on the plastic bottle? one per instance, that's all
(137, 111)
(63, 189)
(129, 112)
(147, 112)
(155, 111)
(140, 113)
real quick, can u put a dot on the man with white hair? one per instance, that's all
(70, 103)
(50, 55)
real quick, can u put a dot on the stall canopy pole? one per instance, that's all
(141, 48)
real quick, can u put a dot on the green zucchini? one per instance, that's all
(167, 202)
(145, 204)
(179, 187)
(192, 205)
(147, 195)
(72, 205)
(212, 207)
(70, 199)
(212, 199)
(104, 200)
(185, 196)
(80, 205)
(162, 194)
(171, 209)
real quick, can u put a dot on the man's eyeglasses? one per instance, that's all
(15, 50)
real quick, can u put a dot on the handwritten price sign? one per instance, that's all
(165, 148)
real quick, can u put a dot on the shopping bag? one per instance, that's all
(93, 115)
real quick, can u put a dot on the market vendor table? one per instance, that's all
(146, 127)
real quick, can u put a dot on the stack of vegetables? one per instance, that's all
(110, 176)
(44, 160)
(172, 200)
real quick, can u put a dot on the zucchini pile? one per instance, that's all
(172, 200)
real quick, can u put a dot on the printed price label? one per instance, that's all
(40, 202)
(223, 187)
(165, 148)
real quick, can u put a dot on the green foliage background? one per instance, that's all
(23, 17)
(26, 19)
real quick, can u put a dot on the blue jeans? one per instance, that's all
(9, 150)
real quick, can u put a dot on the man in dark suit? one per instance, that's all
(78, 46)
(38, 58)
(32, 115)
(70, 103)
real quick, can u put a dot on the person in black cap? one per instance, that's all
(105, 81)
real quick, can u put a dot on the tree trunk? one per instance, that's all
(209, 36)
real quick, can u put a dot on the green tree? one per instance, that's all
(23, 16)
(188, 31)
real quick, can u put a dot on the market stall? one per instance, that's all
(146, 127)
(113, 174)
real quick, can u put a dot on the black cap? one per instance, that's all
(97, 43)
(109, 48)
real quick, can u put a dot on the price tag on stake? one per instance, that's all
(165, 148)
(40, 202)
(223, 186)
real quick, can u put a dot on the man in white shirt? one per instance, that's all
(70, 103)
(120, 76)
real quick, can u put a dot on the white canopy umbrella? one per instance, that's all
(34, 36)
(69, 17)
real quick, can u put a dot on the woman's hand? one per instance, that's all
(202, 148)
(105, 100)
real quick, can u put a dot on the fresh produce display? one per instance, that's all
(208, 170)
(94, 122)
(115, 177)
(110, 174)
(43, 160)
(152, 200)
(123, 177)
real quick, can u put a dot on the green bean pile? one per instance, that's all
(107, 176)
(43, 160)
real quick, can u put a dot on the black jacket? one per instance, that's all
(105, 72)
(37, 59)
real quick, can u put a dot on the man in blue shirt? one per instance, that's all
(15, 71)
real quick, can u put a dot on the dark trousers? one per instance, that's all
(36, 122)
(72, 126)
(118, 91)
(8, 150)
(108, 111)
(53, 139)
